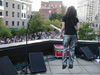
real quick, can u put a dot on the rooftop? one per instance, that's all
(81, 67)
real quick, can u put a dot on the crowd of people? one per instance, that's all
(34, 36)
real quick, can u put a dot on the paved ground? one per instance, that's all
(81, 67)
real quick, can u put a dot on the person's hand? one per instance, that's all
(59, 30)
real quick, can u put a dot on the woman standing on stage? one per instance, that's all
(70, 26)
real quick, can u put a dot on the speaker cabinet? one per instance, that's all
(37, 63)
(87, 53)
(6, 67)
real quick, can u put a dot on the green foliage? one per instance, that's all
(56, 16)
(47, 26)
(14, 31)
(36, 24)
(22, 31)
(99, 31)
(47, 23)
(86, 33)
(4, 31)
(1, 22)
(57, 23)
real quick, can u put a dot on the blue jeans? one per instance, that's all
(68, 40)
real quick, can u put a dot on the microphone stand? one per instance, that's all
(27, 41)
(27, 29)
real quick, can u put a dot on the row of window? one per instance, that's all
(18, 6)
(23, 15)
(97, 25)
(13, 23)
(52, 5)
(13, 5)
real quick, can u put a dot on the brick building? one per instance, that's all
(47, 8)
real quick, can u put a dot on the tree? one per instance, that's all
(56, 16)
(47, 23)
(36, 24)
(22, 31)
(86, 33)
(4, 31)
(14, 31)
(1, 22)
(57, 23)
(47, 26)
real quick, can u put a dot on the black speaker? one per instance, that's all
(6, 67)
(37, 63)
(87, 54)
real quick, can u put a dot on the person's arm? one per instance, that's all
(63, 27)
(78, 26)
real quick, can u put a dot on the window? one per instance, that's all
(17, 23)
(6, 4)
(0, 3)
(99, 26)
(28, 16)
(28, 8)
(6, 13)
(60, 6)
(0, 12)
(49, 11)
(18, 14)
(12, 23)
(23, 23)
(13, 5)
(22, 15)
(91, 18)
(96, 25)
(93, 25)
(18, 6)
(6, 23)
(22, 6)
(12, 14)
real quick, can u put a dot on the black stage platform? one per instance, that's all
(17, 52)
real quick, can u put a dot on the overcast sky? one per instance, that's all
(37, 3)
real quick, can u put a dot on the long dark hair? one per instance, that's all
(71, 12)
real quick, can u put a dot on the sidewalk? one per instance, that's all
(81, 67)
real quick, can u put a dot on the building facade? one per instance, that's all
(15, 13)
(47, 8)
(97, 16)
(89, 11)
(86, 10)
